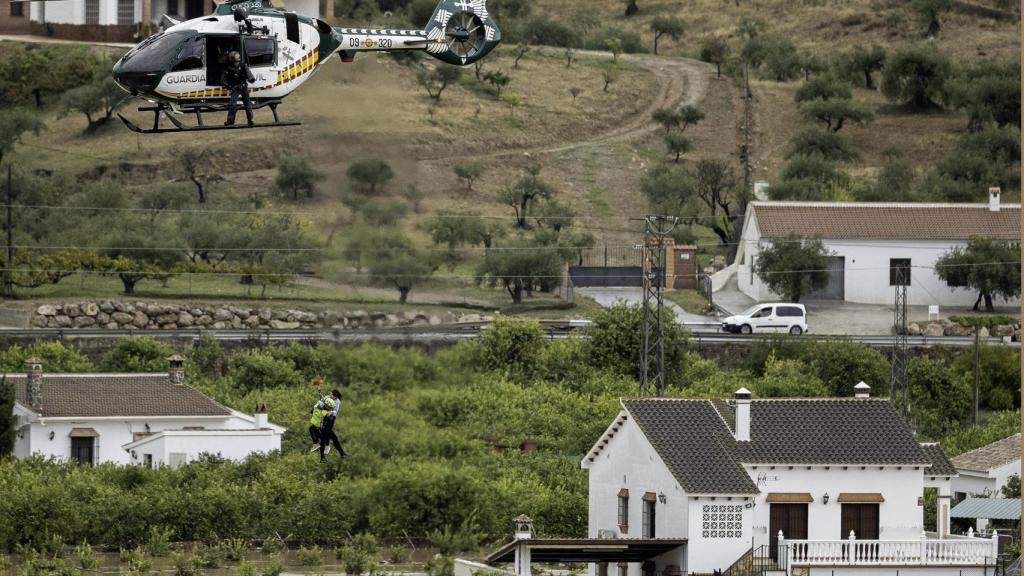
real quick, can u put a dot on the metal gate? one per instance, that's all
(608, 266)
(836, 289)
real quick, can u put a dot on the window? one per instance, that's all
(790, 312)
(172, 7)
(624, 510)
(147, 460)
(92, 11)
(125, 12)
(190, 55)
(896, 267)
(16, 10)
(260, 51)
(763, 313)
(83, 450)
(648, 520)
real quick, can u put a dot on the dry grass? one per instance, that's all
(825, 26)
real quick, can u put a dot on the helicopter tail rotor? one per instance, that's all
(461, 31)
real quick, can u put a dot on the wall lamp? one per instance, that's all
(661, 497)
(824, 499)
(52, 434)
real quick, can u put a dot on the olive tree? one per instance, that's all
(793, 266)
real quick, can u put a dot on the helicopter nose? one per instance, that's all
(136, 82)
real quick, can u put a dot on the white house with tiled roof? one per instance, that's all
(984, 471)
(829, 486)
(869, 242)
(144, 419)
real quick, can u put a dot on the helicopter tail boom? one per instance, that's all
(459, 32)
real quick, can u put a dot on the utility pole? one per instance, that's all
(977, 372)
(8, 279)
(652, 329)
(898, 381)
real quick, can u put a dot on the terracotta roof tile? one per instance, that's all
(105, 395)
(887, 221)
(990, 456)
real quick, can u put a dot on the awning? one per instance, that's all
(83, 433)
(551, 550)
(860, 498)
(789, 498)
(987, 508)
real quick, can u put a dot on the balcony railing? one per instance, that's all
(921, 552)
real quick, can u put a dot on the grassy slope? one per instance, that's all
(826, 28)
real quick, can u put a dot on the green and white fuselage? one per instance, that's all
(184, 64)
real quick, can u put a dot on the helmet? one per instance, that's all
(236, 57)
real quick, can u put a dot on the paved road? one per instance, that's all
(838, 317)
(611, 296)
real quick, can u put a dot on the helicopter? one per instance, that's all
(178, 71)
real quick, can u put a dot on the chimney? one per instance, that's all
(862, 390)
(260, 416)
(743, 415)
(176, 370)
(34, 382)
(993, 199)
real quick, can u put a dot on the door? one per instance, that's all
(763, 319)
(791, 520)
(862, 519)
(82, 450)
(193, 9)
(836, 288)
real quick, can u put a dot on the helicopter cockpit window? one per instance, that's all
(152, 54)
(190, 57)
(260, 51)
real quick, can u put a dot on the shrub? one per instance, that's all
(987, 321)
(826, 144)
(613, 342)
(1001, 425)
(512, 344)
(158, 543)
(370, 175)
(87, 561)
(137, 354)
(55, 356)
(397, 554)
(245, 568)
(235, 548)
(210, 555)
(185, 565)
(311, 556)
(259, 370)
(272, 568)
(541, 28)
(274, 544)
(440, 565)
(354, 559)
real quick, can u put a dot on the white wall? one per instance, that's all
(975, 483)
(234, 445)
(899, 517)
(1003, 473)
(113, 434)
(629, 461)
(69, 12)
(867, 271)
(717, 552)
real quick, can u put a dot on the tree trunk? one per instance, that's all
(199, 188)
(515, 290)
(868, 83)
(718, 66)
(977, 302)
(403, 293)
(631, 8)
(129, 281)
(988, 303)
(656, 38)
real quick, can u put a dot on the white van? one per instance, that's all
(776, 318)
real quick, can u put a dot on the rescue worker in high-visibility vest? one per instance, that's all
(327, 435)
(323, 407)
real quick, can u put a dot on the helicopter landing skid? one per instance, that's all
(198, 110)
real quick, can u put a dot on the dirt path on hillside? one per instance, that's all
(681, 82)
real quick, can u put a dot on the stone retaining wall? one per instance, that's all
(114, 315)
(936, 328)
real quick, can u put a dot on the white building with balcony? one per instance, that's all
(143, 419)
(829, 486)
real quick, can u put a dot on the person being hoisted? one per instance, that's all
(236, 78)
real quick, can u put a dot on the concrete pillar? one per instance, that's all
(523, 567)
(942, 511)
